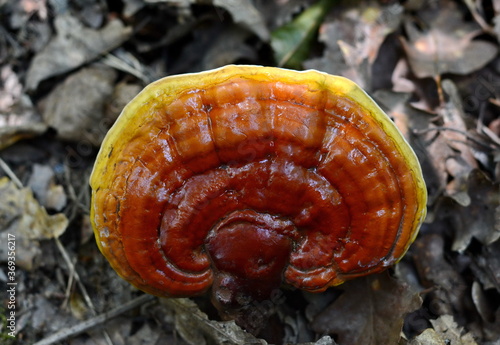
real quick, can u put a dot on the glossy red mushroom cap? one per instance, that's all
(253, 177)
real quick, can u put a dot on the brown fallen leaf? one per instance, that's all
(9, 134)
(22, 217)
(449, 331)
(427, 337)
(419, 129)
(372, 25)
(455, 134)
(11, 89)
(449, 287)
(50, 195)
(396, 106)
(370, 311)
(353, 40)
(76, 107)
(18, 117)
(32, 7)
(481, 219)
(446, 45)
(245, 13)
(483, 306)
(196, 329)
(73, 46)
(227, 48)
(486, 267)
(400, 78)
(453, 118)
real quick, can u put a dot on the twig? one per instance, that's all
(72, 270)
(477, 17)
(95, 321)
(482, 128)
(118, 63)
(69, 286)
(10, 173)
(82, 288)
(204, 323)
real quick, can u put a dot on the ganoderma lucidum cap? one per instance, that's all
(248, 177)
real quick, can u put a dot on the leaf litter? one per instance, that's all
(68, 68)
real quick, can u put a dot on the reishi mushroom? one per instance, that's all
(246, 178)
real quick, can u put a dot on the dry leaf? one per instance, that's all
(76, 107)
(44, 315)
(245, 13)
(427, 337)
(11, 133)
(486, 267)
(481, 219)
(131, 7)
(278, 13)
(122, 94)
(369, 312)
(396, 106)
(372, 25)
(449, 331)
(462, 161)
(326, 340)
(483, 306)
(38, 7)
(147, 335)
(454, 121)
(18, 117)
(353, 40)
(227, 48)
(194, 326)
(449, 287)
(242, 12)
(447, 45)
(23, 217)
(73, 46)
(41, 182)
(400, 79)
(11, 89)
(430, 147)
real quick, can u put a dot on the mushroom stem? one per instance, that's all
(249, 252)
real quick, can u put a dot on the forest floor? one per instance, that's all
(67, 69)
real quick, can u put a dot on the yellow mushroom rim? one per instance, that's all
(167, 90)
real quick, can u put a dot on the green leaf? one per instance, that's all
(292, 42)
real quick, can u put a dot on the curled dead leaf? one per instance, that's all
(23, 217)
(447, 45)
(73, 46)
(450, 332)
(76, 107)
(370, 311)
(18, 117)
(196, 329)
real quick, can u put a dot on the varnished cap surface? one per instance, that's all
(305, 160)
